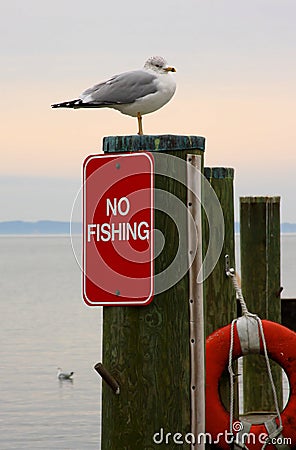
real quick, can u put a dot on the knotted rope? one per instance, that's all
(230, 272)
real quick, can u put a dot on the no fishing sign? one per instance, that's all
(118, 228)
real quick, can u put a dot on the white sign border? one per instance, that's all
(151, 293)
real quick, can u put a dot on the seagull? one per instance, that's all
(134, 93)
(63, 375)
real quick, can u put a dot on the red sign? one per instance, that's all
(118, 227)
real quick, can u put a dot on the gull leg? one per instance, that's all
(140, 132)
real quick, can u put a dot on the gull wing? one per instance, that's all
(121, 89)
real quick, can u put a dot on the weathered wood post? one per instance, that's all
(260, 272)
(146, 349)
(219, 293)
(220, 301)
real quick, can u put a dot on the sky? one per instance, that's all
(236, 72)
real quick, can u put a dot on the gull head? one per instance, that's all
(158, 64)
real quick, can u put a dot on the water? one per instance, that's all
(44, 325)
(288, 263)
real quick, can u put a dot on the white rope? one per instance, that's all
(231, 274)
(270, 374)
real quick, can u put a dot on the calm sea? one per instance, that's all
(45, 325)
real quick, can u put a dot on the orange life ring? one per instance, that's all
(281, 346)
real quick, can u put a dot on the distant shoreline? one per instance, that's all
(52, 227)
(39, 228)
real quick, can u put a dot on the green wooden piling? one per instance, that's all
(219, 294)
(146, 349)
(260, 273)
(220, 301)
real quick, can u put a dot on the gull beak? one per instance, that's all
(170, 69)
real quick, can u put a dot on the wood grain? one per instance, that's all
(260, 263)
(147, 348)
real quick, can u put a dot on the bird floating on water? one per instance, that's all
(64, 375)
(134, 93)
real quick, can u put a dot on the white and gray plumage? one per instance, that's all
(134, 93)
(64, 375)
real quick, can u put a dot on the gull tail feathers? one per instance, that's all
(70, 104)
